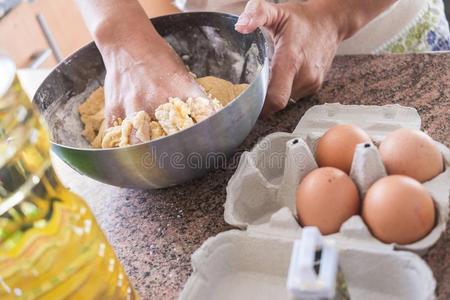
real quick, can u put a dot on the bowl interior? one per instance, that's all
(207, 43)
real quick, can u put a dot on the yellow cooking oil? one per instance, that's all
(50, 244)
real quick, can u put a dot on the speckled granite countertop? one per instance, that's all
(154, 233)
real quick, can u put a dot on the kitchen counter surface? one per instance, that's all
(154, 233)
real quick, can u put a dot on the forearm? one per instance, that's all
(119, 24)
(352, 15)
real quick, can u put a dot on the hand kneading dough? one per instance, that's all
(171, 117)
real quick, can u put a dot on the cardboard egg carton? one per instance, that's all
(252, 263)
(267, 177)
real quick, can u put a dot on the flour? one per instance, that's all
(63, 119)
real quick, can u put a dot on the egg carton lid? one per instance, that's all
(376, 120)
(253, 264)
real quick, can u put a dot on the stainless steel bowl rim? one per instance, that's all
(174, 135)
(184, 131)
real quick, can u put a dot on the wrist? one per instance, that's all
(140, 49)
(351, 15)
(125, 26)
(111, 35)
(345, 18)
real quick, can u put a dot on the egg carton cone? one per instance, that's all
(254, 264)
(267, 177)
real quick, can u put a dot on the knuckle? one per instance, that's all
(113, 112)
(314, 80)
(278, 101)
(306, 85)
(316, 83)
(279, 104)
(294, 62)
(114, 108)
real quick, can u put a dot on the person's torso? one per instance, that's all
(374, 37)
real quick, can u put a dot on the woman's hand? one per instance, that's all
(306, 37)
(143, 81)
(142, 70)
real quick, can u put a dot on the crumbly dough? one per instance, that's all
(92, 115)
(201, 108)
(171, 117)
(174, 116)
(221, 89)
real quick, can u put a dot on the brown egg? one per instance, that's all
(398, 209)
(337, 146)
(326, 198)
(411, 153)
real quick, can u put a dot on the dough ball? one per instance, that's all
(221, 89)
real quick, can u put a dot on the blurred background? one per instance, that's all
(40, 33)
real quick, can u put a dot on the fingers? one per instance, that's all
(285, 65)
(257, 13)
(308, 80)
(293, 76)
(113, 114)
(113, 109)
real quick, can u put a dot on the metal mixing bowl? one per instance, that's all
(209, 45)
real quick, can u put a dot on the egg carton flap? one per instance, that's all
(253, 265)
(377, 121)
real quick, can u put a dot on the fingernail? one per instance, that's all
(243, 20)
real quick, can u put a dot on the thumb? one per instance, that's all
(257, 13)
